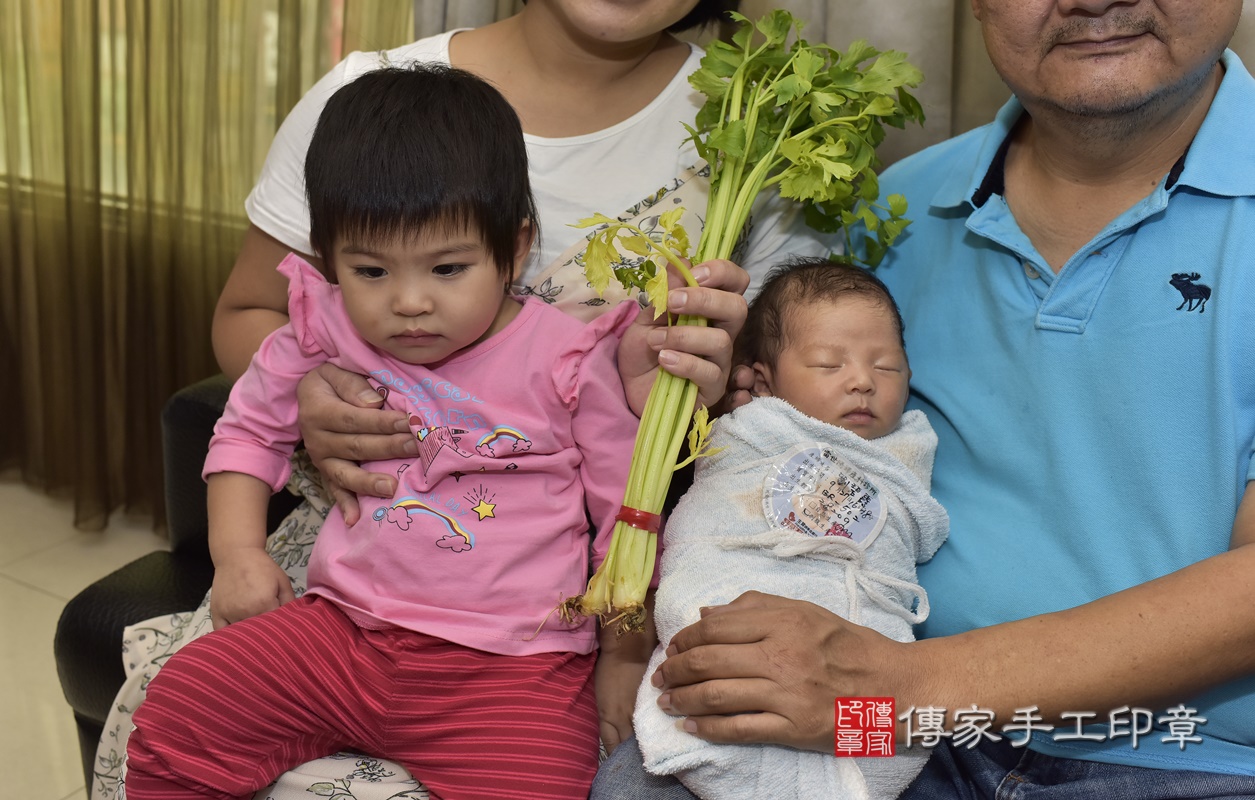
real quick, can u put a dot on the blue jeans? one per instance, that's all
(622, 776)
(991, 771)
(998, 771)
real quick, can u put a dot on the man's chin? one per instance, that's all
(1123, 98)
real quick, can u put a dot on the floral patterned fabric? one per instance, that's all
(563, 284)
(146, 646)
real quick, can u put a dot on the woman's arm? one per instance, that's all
(766, 669)
(340, 420)
(254, 301)
(253, 304)
(341, 424)
(340, 417)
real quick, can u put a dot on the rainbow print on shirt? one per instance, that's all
(487, 444)
(458, 539)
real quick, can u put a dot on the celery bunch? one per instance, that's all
(803, 118)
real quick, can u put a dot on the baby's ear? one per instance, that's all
(762, 380)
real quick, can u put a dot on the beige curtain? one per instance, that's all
(130, 133)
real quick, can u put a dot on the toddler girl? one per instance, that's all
(426, 634)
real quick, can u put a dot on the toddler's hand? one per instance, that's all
(246, 583)
(621, 663)
(617, 680)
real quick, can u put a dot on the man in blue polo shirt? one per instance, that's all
(1079, 294)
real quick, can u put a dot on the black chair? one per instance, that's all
(88, 642)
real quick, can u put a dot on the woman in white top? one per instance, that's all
(601, 88)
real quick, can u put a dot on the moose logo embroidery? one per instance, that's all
(1193, 295)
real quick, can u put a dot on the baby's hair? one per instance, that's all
(794, 284)
(401, 149)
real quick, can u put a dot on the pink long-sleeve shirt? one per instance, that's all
(487, 532)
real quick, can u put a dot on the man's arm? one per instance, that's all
(777, 664)
(1244, 524)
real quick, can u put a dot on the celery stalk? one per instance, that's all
(804, 119)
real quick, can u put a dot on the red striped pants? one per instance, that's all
(235, 709)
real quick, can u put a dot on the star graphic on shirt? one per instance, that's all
(485, 509)
(457, 476)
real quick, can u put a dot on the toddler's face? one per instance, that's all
(422, 300)
(842, 363)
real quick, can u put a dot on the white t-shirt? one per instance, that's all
(572, 178)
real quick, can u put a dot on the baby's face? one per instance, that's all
(843, 363)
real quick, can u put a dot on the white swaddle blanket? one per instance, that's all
(798, 508)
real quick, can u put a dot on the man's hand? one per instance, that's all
(247, 582)
(700, 354)
(766, 669)
(343, 423)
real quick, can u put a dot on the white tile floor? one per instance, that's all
(44, 562)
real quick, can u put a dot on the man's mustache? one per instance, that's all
(1115, 25)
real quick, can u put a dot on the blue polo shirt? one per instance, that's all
(1095, 425)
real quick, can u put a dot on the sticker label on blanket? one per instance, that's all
(815, 491)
